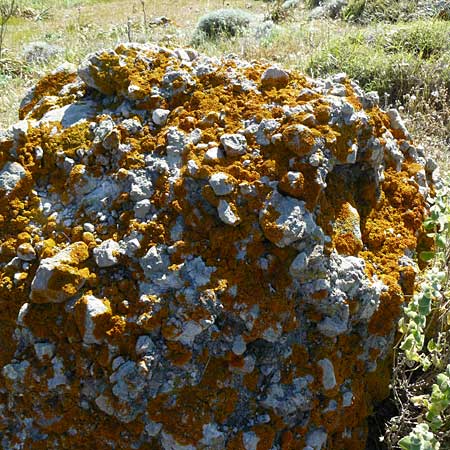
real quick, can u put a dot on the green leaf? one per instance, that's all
(441, 242)
(431, 346)
(426, 256)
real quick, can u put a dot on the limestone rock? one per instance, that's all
(189, 262)
(59, 277)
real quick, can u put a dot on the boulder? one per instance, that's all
(210, 256)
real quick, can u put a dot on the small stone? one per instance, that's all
(44, 350)
(285, 220)
(213, 154)
(192, 167)
(220, 182)
(317, 439)
(275, 77)
(299, 139)
(397, 122)
(142, 208)
(234, 144)
(347, 399)
(144, 345)
(239, 346)
(89, 227)
(159, 116)
(107, 253)
(58, 278)
(152, 428)
(95, 310)
(226, 213)
(10, 176)
(328, 377)
(26, 252)
(250, 440)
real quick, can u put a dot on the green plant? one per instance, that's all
(281, 11)
(7, 10)
(420, 439)
(425, 344)
(222, 23)
(390, 59)
(365, 11)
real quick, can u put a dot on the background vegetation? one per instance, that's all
(401, 49)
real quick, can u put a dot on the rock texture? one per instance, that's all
(201, 254)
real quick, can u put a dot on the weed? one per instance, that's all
(8, 9)
(422, 373)
(392, 60)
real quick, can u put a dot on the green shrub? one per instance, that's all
(391, 60)
(222, 23)
(365, 11)
(422, 38)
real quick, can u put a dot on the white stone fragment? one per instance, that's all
(89, 227)
(159, 116)
(16, 372)
(274, 76)
(397, 122)
(190, 331)
(317, 439)
(328, 377)
(347, 399)
(250, 440)
(19, 129)
(293, 221)
(26, 252)
(192, 167)
(212, 437)
(107, 253)
(41, 289)
(132, 246)
(10, 176)
(104, 404)
(142, 208)
(70, 114)
(234, 144)
(155, 260)
(144, 345)
(220, 182)
(273, 334)
(298, 265)
(152, 428)
(44, 350)
(239, 345)
(227, 214)
(59, 378)
(213, 154)
(169, 443)
(94, 307)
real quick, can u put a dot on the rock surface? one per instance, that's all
(205, 256)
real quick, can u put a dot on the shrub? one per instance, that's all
(41, 52)
(222, 23)
(365, 11)
(391, 60)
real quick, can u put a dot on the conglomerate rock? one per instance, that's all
(201, 254)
